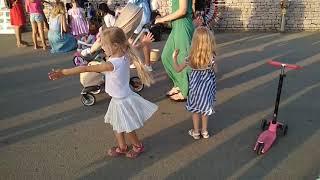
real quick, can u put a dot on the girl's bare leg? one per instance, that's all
(204, 119)
(121, 140)
(41, 32)
(34, 34)
(133, 138)
(17, 31)
(204, 131)
(196, 122)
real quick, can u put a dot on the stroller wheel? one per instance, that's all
(88, 99)
(136, 84)
(79, 61)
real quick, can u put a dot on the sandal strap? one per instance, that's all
(135, 151)
(194, 134)
(117, 151)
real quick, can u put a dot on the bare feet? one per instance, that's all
(177, 97)
(21, 45)
(173, 91)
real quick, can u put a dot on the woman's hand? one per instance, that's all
(175, 54)
(158, 21)
(55, 74)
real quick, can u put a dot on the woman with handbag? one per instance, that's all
(59, 39)
(17, 19)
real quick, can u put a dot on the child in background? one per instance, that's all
(108, 15)
(35, 8)
(90, 38)
(202, 80)
(79, 25)
(127, 111)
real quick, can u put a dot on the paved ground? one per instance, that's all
(46, 133)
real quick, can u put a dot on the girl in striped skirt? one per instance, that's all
(202, 80)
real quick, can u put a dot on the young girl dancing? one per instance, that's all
(79, 24)
(127, 110)
(202, 80)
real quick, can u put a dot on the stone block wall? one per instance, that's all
(255, 15)
(265, 15)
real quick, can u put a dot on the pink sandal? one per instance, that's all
(135, 151)
(116, 151)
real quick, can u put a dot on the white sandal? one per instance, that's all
(194, 134)
(205, 134)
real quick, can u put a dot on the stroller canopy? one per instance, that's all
(129, 18)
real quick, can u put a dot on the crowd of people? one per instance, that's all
(188, 58)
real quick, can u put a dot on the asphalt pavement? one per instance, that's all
(46, 133)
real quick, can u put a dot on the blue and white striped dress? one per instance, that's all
(202, 91)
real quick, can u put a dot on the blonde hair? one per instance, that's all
(203, 48)
(58, 9)
(115, 35)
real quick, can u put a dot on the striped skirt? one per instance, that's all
(202, 92)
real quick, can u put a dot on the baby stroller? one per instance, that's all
(92, 82)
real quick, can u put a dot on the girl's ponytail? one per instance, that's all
(143, 74)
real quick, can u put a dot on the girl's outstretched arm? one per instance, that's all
(60, 73)
(176, 66)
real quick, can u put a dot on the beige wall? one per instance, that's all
(265, 15)
(261, 15)
(257, 15)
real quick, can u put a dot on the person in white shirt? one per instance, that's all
(127, 110)
(108, 15)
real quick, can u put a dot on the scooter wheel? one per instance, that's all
(88, 99)
(264, 124)
(284, 130)
(136, 84)
(260, 148)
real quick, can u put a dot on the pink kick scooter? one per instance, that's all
(269, 134)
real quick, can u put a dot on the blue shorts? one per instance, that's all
(36, 17)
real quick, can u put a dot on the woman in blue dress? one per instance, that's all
(59, 40)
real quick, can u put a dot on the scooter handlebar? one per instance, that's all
(278, 64)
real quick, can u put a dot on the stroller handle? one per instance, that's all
(278, 64)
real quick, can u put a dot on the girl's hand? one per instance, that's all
(198, 21)
(175, 54)
(130, 40)
(147, 39)
(55, 74)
